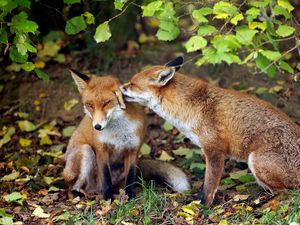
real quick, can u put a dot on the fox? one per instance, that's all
(224, 123)
(103, 150)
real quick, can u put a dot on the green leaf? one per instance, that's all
(237, 18)
(3, 36)
(20, 23)
(71, 1)
(3, 3)
(167, 126)
(168, 35)
(75, 25)
(119, 4)
(285, 4)
(145, 149)
(24, 3)
(45, 140)
(42, 75)
(236, 175)
(223, 10)
(7, 137)
(245, 35)
(259, 3)
(285, 30)
(89, 18)
(199, 14)
(30, 48)
(102, 32)
(195, 43)
(225, 43)
(186, 152)
(279, 10)
(26, 125)
(15, 56)
(11, 177)
(285, 66)
(298, 66)
(206, 30)
(14, 197)
(68, 131)
(271, 55)
(265, 65)
(28, 66)
(151, 8)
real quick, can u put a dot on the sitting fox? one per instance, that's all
(225, 123)
(103, 150)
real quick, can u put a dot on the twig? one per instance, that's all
(124, 10)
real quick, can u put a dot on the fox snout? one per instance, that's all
(98, 127)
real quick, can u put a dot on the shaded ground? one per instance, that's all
(33, 163)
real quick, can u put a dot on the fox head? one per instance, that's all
(145, 86)
(101, 97)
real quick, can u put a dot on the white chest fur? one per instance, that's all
(121, 133)
(186, 127)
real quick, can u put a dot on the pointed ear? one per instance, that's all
(80, 79)
(120, 99)
(165, 75)
(177, 63)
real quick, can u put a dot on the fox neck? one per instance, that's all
(174, 105)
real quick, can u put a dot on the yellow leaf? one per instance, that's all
(285, 4)
(259, 25)
(70, 104)
(39, 212)
(188, 209)
(39, 64)
(223, 222)
(24, 142)
(222, 16)
(165, 156)
(185, 215)
(237, 18)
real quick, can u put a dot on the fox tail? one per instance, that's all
(165, 173)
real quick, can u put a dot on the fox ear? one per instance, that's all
(177, 63)
(120, 99)
(165, 75)
(80, 79)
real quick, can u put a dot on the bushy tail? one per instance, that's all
(164, 172)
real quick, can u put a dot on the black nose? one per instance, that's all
(98, 127)
(123, 88)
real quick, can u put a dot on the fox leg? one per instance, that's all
(130, 163)
(213, 173)
(104, 180)
(80, 163)
(271, 170)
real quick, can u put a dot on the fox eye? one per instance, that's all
(106, 103)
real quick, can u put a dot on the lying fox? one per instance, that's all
(225, 123)
(104, 149)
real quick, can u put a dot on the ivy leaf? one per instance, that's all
(285, 66)
(223, 10)
(71, 1)
(102, 32)
(151, 8)
(285, 4)
(237, 18)
(245, 35)
(271, 55)
(75, 25)
(42, 75)
(119, 4)
(264, 65)
(206, 29)
(285, 30)
(195, 43)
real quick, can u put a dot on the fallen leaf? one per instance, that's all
(11, 176)
(167, 126)
(21, 115)
(237, 198)
(68, 105)
(236, 175)
(25, 142)
(64, 217)
(164, 156)
(145, 149)
(223, 222)
(14, 197)
(39, 212)
(7, 137)
(68, 131)
(26, 125)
